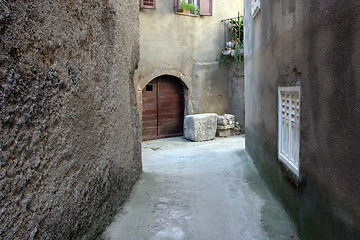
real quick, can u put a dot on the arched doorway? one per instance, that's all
(162, 108)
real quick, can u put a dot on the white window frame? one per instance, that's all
(289, 127)
(195, 2)
(255, 7)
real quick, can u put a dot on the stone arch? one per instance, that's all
(145, 79)
(142, 79)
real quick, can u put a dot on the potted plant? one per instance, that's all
(188, 8)
(237, 27)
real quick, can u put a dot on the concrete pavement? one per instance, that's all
(200, 190)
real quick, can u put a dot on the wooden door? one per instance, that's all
(163, 108)
(149, 110)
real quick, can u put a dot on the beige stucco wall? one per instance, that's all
(186, 47)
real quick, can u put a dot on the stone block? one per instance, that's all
(222, 121)
(223, 133)
(225, 125)
(230, 126)
(200, 127)
(230, 118)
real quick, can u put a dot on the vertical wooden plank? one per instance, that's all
(163, 108)
(149, 111)
(170, 107)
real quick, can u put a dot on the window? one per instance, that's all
(289, 127)
(255, 7)
(149, 88)
(148, 4)
(205, 6)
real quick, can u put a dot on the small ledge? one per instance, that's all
(187, 14)
(226, 52)
(232, 52)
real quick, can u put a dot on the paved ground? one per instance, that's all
(200, 190)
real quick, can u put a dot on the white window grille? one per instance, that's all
(255, 7)
(289, 127)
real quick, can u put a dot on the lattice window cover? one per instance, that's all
(255, 7)
(289, 127)
(149, 4)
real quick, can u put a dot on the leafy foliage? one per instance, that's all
(237, 43)
(238, 29)
(237, 56)
(189, 6)
(224, 59)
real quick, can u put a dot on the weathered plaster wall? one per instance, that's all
(312, 44)
(236, 92)
(210, 85)
(186, 47)
(70, 140)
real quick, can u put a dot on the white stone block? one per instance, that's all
(222, 121)
(200, 127)
(223, 133)
(230, 118)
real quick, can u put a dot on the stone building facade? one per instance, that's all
(70, 139)
(302, 96)
(187, 47)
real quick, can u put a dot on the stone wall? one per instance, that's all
(312, 44)
(70, 140)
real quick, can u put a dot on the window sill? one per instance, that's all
(187, 14)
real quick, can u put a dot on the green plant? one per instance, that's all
(227, 58)
(237, 55)
(224, 59)
(234, 52)
(190, 7)
(237, 27)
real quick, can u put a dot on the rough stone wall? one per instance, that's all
(312, 44)
(70, 140)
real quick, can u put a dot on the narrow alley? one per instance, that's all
(200, 190)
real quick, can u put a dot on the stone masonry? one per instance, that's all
(225, 125)
(70, 140)
(200, 127)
